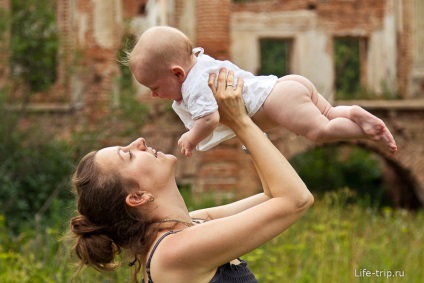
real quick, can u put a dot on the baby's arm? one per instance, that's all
(202, 128)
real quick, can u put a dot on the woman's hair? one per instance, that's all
(105, 224)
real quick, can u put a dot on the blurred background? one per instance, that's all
(64, 92)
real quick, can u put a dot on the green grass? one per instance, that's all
(334, 241)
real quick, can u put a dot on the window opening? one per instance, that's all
(275, 56)
(349, 59)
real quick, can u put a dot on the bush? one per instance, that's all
(34, 171)
(333, 167)
(34, 42)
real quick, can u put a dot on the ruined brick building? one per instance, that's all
(389, 34)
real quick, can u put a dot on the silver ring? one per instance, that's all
(229, 84)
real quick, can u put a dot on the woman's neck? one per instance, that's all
(171, 205)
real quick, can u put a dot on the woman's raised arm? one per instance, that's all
(276, 171)
(226, 238)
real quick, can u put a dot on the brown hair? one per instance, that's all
(105, 224)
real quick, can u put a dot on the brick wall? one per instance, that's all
(403, 41)
(345, 16)
(94, 55)
(132, 8)
(213, 27)
(87, 71)
(273, 5)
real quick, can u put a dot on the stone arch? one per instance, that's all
(402, 185)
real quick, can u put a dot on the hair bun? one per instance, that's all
(81, 225)
(94, 247)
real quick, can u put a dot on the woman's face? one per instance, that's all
(137, 161)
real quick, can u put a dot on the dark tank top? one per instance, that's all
(226, 273)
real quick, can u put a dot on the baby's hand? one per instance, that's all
(186, 146)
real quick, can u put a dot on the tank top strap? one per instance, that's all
(153, 251)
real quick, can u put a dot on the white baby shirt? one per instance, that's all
(198, 99)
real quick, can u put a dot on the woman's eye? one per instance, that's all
(127, 154)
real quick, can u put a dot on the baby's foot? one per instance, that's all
(373, 127)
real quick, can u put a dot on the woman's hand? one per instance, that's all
(230, 101)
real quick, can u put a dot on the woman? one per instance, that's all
(128, 199)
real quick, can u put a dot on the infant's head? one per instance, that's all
(157, 50)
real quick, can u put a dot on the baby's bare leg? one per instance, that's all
(296, 105)
(373, 127)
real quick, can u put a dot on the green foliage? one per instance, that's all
(34, 170)
(332, 168)
(130, 112)
(348, 68)
(34, 42)
(347, 56)
(43, 258)
(4, 22)
(328, 244)
(206, 199)
(275, 57)
(127, 114)
(126, 78)
(29, 175)
(335, 239)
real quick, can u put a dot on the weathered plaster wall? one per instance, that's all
(312, 32)
(382, 54)
(91, 31)
(312, 53)
(416, 80)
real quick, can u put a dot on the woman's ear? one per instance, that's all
(179, 73)
(138, 198)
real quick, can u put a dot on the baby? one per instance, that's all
(164, 61)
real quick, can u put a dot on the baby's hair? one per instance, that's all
(159, 47)
(125, 52)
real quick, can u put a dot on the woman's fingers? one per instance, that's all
(229, 99)
(211, 83)
(225, 88)
(218, 90)
(230, 79)
(240, 84)
(222, 79)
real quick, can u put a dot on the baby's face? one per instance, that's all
(163, 86)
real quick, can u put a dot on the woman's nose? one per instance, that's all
(139, 144)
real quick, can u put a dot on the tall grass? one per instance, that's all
(341, 242)
(335, 242)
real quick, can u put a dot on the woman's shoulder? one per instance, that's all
(173, 259)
